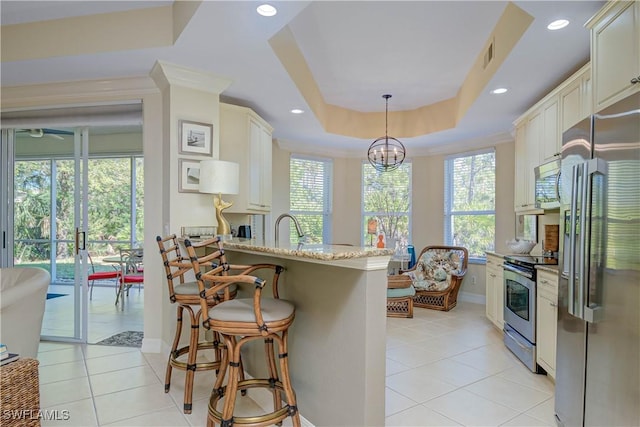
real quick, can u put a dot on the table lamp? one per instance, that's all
(220, 177)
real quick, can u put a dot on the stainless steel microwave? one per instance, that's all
(547, 191)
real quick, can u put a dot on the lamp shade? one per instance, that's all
(219, 177)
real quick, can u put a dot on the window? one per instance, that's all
(386, 203)
(310, 197)
(469, 202)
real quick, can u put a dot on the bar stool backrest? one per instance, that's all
(175, 265)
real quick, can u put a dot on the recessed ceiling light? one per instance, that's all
(499, 90)
(297, 111)
(558, 24)
(266, 10)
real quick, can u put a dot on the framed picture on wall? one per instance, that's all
(196, 138)
(189, 177)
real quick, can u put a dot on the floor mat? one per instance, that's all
(124, 339)
(51, 296)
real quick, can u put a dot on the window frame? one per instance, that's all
(449, 213)
(366, 214)
(327, 211)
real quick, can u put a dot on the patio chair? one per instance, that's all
(100, 275)
(131, 262)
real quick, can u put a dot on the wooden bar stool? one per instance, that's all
(186, 295)
(238, 322)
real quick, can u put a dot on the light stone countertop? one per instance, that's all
(549, 268)
(312, 251)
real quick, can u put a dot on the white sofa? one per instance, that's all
(23, 292)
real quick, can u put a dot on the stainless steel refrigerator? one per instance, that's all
(598, 341)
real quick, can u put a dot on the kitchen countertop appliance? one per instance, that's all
(520, 306)
(598, 341)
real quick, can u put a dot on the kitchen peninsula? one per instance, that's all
(337, 341)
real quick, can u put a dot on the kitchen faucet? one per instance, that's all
(295, 222)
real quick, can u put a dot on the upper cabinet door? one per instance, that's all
(575, 100)
(615, 52)
(550, 143)
(245, 138)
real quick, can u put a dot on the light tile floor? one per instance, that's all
(443, 369)
(105, 318)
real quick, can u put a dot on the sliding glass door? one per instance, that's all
(50, 221)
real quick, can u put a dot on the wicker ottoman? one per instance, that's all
(20, 393)
(400, 292)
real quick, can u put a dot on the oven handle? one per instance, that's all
(517, 271)
(516, 340)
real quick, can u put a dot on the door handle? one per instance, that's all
(77, 241)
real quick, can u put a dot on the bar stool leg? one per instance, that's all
(218, 388)
(191, 359)
(233, 351)
(174, 347)
(273, 373)
(286, 380)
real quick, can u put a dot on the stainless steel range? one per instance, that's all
(520, 306)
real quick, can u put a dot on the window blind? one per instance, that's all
(310, 195)
(469, 204)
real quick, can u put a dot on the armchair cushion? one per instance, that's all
(434, 269)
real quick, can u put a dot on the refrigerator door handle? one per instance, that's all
(583, 264)
(572, 240)
(558, 186)
(592, 312)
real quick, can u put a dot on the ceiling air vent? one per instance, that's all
(488, 55)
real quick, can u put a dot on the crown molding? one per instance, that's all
(166, 74)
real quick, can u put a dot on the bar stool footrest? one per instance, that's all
(261, 420)
(200, 366)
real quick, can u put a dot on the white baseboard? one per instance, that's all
(152, 345)
(474, 298)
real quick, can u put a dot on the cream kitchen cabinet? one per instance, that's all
(615, 52)
(523, 197)
(245, 138)
(576, 99)
(527, 149)
(495, 290)
(538, 132)
(550, 141)
(546, 320)
(537, 141)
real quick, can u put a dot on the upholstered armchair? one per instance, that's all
(437, 276)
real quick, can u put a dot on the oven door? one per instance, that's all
(519, 304)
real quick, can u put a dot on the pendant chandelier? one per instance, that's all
(386, 153)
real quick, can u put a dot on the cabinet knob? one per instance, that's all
(553, 304)
(635, 80)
